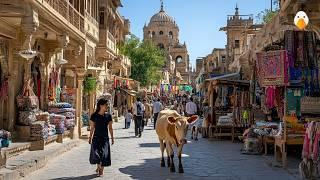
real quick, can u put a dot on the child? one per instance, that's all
(128, 119)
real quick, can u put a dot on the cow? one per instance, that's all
(172, 129)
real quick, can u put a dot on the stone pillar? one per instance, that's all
(80, 77)
(14, 61)
(44, 77)
(11, 102)
(91, 103)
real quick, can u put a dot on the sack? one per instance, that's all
(27, 102)
(139, 109)
(26, 117)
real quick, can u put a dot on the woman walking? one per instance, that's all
(100, 122)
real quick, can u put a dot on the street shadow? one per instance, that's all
(92, 176)
(151, 169)
(126, 137)
(149, 145)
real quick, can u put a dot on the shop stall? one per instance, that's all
(288, 75)
(231, 109)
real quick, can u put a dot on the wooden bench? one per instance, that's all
(281, 143)
(267, 140)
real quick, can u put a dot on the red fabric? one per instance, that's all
(39, 87)
(272, 67)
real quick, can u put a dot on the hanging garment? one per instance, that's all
(294, 97)
(299, 41)
(310, 49)
(270, 93)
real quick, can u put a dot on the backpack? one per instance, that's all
(139, 109)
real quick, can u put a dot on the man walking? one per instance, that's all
(138, 117)
(191, 108)
(147, 113)
(157, 107)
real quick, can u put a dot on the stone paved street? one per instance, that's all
(139, 158)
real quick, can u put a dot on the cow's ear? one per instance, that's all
(172, 120)
(192, 119)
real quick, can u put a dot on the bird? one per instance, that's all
(301, 20)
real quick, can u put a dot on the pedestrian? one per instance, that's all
(157, 107)
(147, 112)
(128, 119)
(191, 108)
(100, 123)
(138, 117)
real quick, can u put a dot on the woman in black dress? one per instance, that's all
(100, 122)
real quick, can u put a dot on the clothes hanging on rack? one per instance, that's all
(270, 93)
(310, 165)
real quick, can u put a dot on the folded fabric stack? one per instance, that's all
(225, 120)
(61, 105)
(58, 121)
(26, 117)
(51, 130)
(85, 119)
(39, 130)
(60, 110)
(5, 138)
(43, 116)
(67, 111)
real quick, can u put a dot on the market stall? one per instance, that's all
(288, 75)
(231, 109)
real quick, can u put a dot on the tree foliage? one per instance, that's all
(266, 16)
(146, 59)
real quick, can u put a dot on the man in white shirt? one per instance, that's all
(138, 110)
(157, 107)
(191, 108)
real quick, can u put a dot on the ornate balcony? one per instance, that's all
(122, 63)
(91, 26)
(66, 11)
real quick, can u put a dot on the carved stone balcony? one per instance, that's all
(65, 12)
(91, 26)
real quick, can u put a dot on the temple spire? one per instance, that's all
(237, 10)
(161, 10)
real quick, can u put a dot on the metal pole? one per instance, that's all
(271, 4)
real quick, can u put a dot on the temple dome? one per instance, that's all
(162, 17)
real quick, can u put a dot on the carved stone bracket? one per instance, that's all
(29, 25)
(77, 51)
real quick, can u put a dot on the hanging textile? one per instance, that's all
(4, 86)
(273, 67)
(310, 165)
(293, 101)
(270, 93)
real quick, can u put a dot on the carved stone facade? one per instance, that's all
(236, 25)
(163, 31)
(57, 36)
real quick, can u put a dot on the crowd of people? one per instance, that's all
(144, 110)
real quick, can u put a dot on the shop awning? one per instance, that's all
(229, 80)
(226, 76)
(130, 92)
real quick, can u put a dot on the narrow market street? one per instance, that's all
(139, 158)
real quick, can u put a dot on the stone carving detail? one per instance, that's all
(77, 50)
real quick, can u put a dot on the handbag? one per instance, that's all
(27, 100)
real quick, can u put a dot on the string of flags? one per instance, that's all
(171, 88)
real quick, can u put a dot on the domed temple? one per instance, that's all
(163, 31)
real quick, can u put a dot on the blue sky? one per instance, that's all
(199, 20)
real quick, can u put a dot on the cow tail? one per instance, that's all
(164, 144)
